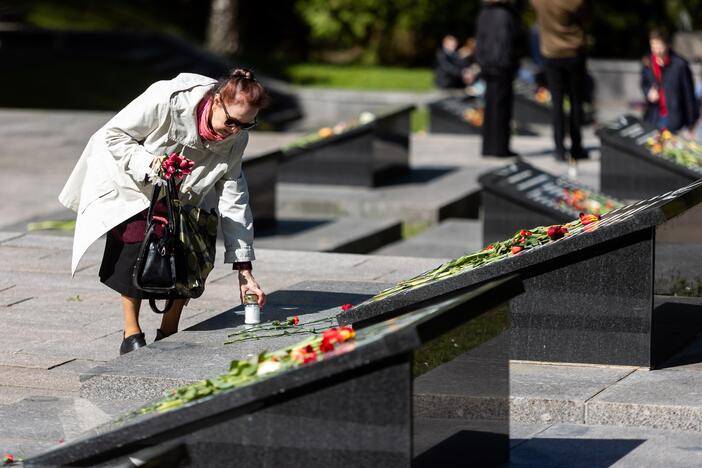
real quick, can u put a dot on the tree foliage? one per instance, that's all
(408, 31)
(386, 31)
(389, 32)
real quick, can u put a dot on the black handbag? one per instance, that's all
(177, 262)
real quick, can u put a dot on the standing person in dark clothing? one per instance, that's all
(667, 84)
(495, 54)
(562, 44)
(449, 64)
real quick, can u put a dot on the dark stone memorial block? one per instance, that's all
(628, 169)
(363, 155)
(532, 105)
(590, 296)
(261, 177)
(353, 408)
(462, 115)
(527, 109)
(521, 196)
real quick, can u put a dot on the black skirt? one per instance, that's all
(118, 266)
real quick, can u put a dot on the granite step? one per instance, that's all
(40, 422)
(667, 399)
(589, 446)
(343, 235)
(454, 191)
(451, 238)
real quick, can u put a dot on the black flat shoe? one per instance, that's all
(582, 154)
(160, 335)
(131, 343)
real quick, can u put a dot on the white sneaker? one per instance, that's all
(572, 168)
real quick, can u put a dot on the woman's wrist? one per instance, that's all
(242, 266)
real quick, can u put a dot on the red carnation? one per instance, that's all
(556, 232)
(346, 307)
(304, 355)
(325, 346)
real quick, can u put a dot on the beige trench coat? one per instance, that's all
(109, 184)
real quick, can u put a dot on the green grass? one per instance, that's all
(419, 120)
(67, 225)
(411, 229)
(460, 340)
(73, 15)
(361, 77)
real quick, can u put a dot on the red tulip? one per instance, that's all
(296, 320)
(516, 249)
(586, 219)
(346, 333)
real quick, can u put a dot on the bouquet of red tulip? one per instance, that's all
(176, 165)
(169, 166)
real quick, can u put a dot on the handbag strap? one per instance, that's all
(166, 308)
(170, 193)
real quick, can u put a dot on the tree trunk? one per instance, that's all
(222, 32)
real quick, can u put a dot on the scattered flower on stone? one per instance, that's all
(346, 307)
(366, 117)
(326, 345)
(304, 354)
(346, 333)
(556, 232)
(677, 148)
(338, 335)
(325, 132)
(586, 219)
(265, 365)
(268, 367)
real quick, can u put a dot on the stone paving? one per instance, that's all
(56, 328)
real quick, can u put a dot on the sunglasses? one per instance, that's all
(231, 122)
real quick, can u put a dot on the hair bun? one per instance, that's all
(242, 73)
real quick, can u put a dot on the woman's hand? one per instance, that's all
(653, 95)
(247, 284)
